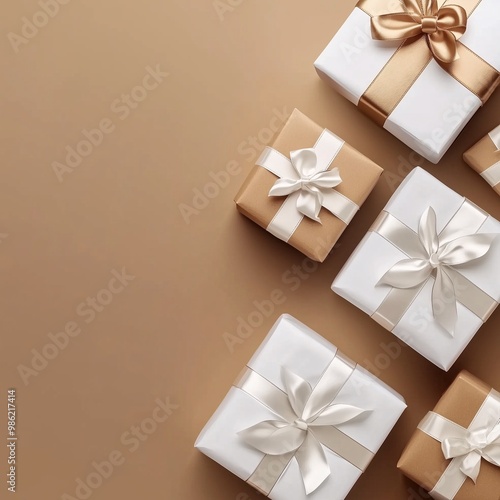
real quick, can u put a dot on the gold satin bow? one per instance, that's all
(442, 26)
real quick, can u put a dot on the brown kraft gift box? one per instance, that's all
(423, 461)
(482, 156)
(315, 240)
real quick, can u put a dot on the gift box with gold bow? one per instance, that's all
(302, 422)
(484, 158)
(419, 68)
(428, 270)
(307, 187)
(455, 452)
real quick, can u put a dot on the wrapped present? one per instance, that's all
(428, 270)
(307, 187)
(484, 158)
(455, 452)
(419, 68)
(302, 422)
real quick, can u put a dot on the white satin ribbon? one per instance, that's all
(465, 447)
(438, 258)
(306, 418)
(495, 137)
(492, 174)
(308, 184)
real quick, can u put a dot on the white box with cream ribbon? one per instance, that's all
(303, 421)
(428, 270)
(419, 68)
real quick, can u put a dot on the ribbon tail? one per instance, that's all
(471, 465)
(313, 463)
(309, 204)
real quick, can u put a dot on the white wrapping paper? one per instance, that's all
(436, 109)
(357, 281)
(292, 344)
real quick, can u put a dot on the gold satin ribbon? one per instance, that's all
(427, 31)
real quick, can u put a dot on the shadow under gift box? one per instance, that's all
(484, 158)
(414, 323)
(407, 91)
(294, 346)
(423, 460)
(314, 239)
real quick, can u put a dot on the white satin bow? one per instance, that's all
(311, 180)
(313, 408)
(440, 259)
(482, 443)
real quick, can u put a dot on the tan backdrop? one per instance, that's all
(116, 295)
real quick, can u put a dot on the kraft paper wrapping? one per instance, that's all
(359, 177)
(482, 156)
(423, 461)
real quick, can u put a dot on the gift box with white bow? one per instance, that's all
(455, 452)
(302, 422)
(484, 158)
(419, 68)
(428, 270)
(307, 187)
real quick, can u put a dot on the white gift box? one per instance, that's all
(437, 107)
(359, 280)
(293, 346)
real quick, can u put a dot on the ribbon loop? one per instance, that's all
(442, 26)
(313, 409)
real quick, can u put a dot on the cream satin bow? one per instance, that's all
(440, 260)
(311, 180)
(313, 408)
(442, 27)
(483, 443)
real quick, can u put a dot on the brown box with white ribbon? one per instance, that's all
(455, 452)
(307, 187)
(484, 158)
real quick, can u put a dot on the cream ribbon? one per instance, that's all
(442, 26)
(495, 137)
(492, 174)
(466, 448)
(438, 258)
(307, 182)
(306, 422)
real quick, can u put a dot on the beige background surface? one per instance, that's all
(161, 337)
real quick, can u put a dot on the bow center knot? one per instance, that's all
(434, 261)
(429, 24)
(478, 440)
(300, 424)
